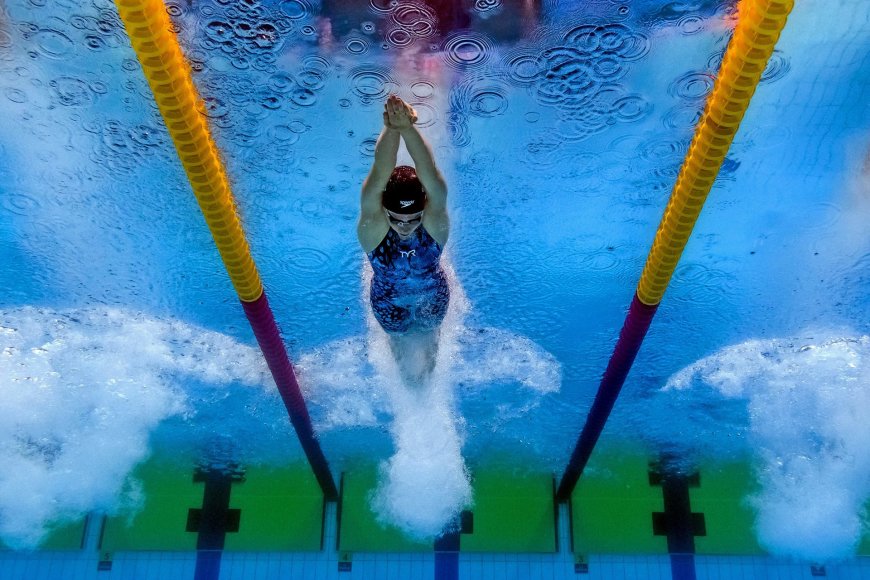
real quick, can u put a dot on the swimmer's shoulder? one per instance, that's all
(438, 228)
(371, 233)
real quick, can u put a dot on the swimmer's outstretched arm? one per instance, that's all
(402, 116)
(386, 152)
(427, 171)
(373, 225)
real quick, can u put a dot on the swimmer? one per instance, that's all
(403, 227)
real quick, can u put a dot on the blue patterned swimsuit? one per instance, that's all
(409, 290)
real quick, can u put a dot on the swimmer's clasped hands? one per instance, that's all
(398, 114)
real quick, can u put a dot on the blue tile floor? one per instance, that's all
(324, 565)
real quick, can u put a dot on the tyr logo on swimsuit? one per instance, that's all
(407, 254)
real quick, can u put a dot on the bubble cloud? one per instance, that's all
(806, 400)
(81, 392)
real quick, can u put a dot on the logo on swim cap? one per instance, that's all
(405, 204)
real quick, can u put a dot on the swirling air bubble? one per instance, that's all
(266, 36)
(15, 95)
(296, 9)
(418, 19)
(299, 127)
(244, 29)
(215, 107)
(601, 261)
(426, 116)
(283, 134)
(269, 99)
(109, 19)
(282, 82)
(692, 86)
(219, 31)
(308, 259)
(28, 29)
(568, 78)
(317, 63)
(459, 134)
(582, 123)
(265, 62)
(631, 46)
(422, 89)
(691, 24)
(367, 27)
(399, 37)
(95, 42)
(116, 137)
(53, 43)
(241, 62)
(147, 135)
(623, 10)
(631, 108)
(611, 37)
(383, 6)
(488, 103)
(315, 209)
(308, 30)
(544, 151)
(526, 68)
(729, 168)
(344, 103)
(585, 37)
(311, 78)
(608, 68)
(19, 203)
(668, 173)
(777, 67)
(72, 92)
(682, 117)
(367, 147)
(249, 6)
(467, 50)
(356, 46)
(714, 61)
(486, 5)
(371, 83)
(175, 8)
(660, 149)
(92, 126)
(697, 274)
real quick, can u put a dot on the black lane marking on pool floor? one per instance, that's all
(214, 520)
(447, 547)
(678, 522)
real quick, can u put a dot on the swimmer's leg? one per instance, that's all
(415, 355)
(416, 351)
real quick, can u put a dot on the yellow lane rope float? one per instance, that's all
(759, 26)
(168, 74)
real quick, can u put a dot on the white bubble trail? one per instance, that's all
(807, 401)
(80, 393)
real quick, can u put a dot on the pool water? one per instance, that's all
(128, 365)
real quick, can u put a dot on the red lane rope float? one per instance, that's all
(168, 75)
(758, 28)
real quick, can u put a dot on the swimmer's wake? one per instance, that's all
(358, 382)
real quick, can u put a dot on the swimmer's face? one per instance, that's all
(404, 224)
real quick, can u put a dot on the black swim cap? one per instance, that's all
(404, 193)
